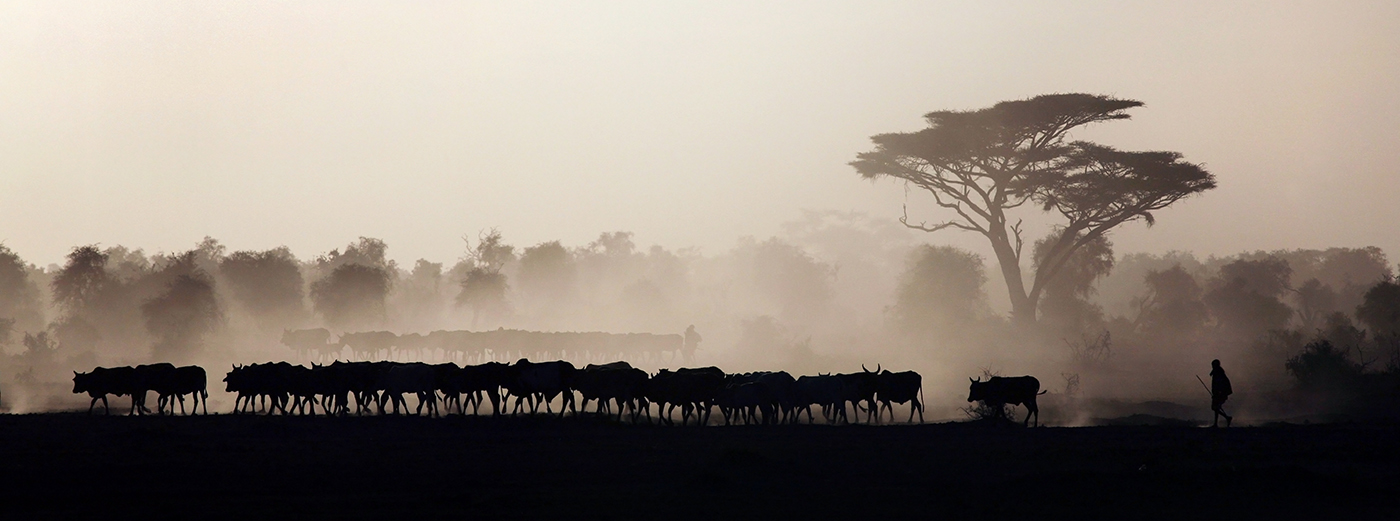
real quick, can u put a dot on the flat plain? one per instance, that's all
(72, 465)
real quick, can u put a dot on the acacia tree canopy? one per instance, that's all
(985, 164)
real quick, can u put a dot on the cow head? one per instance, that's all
(975, 393)
(80, 382)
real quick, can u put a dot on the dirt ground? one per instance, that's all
(230, 466)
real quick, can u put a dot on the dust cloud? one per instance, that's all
(1302, 332)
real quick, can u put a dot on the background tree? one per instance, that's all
(940, 291)
(78, 283)
(267, 284)
(784, 278)
(352, 296)
(20, 304)
(1066, 305)
(1315, 302)
(180, 316)
(1245, 298)
(483, 286)
(1172, 307)
(418, 300)
(985, 164)
(547, 275)
(1380, 308)
(7, 330)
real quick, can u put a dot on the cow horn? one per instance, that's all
(862, 368)
(971, 380)
(878, 368)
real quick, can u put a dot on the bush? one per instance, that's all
(1323, 367)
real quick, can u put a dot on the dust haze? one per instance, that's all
(185, 182)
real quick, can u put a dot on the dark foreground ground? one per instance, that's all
(76, 466)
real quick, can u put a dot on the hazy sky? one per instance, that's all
(153, 124)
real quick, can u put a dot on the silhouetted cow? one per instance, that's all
(153, 377)
(857, 388)
(899, 388)
(103, 381)
(999, 391)
(417, 378)
(488, 379)
(824, 390)
(617, 381)
(690, 389)
(181, 381)
(742, 397)
(779, 388)
(540, 383)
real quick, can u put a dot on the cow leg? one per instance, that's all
(93, 404)
(474, 400)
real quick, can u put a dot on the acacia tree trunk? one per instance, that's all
(1022, 307)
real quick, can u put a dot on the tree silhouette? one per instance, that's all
(180, 316)
(1380, 310)
(267, 283)
(1315, 301)
(483, 286)
(940, 289)
(352, 295)
(78, 283)
(1172, 307)
(1245, 297)
(547, 272)
(985, 164)
(785, 276)
(19, 296)
(1065, 303)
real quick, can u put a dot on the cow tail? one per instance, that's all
(1042, 392)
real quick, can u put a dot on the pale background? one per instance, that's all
(305, 124)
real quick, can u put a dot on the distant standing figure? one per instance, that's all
(692, 342)
(1220, 391)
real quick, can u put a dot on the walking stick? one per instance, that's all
(1203, 385)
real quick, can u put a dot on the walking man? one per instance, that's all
(1219, 392)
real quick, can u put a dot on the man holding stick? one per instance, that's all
(1220, 391)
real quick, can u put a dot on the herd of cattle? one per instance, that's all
(619, 390)
(480, 346)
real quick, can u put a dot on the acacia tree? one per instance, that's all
(984, 165)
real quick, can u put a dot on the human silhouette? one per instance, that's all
(692, 341)
(1220, 391)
